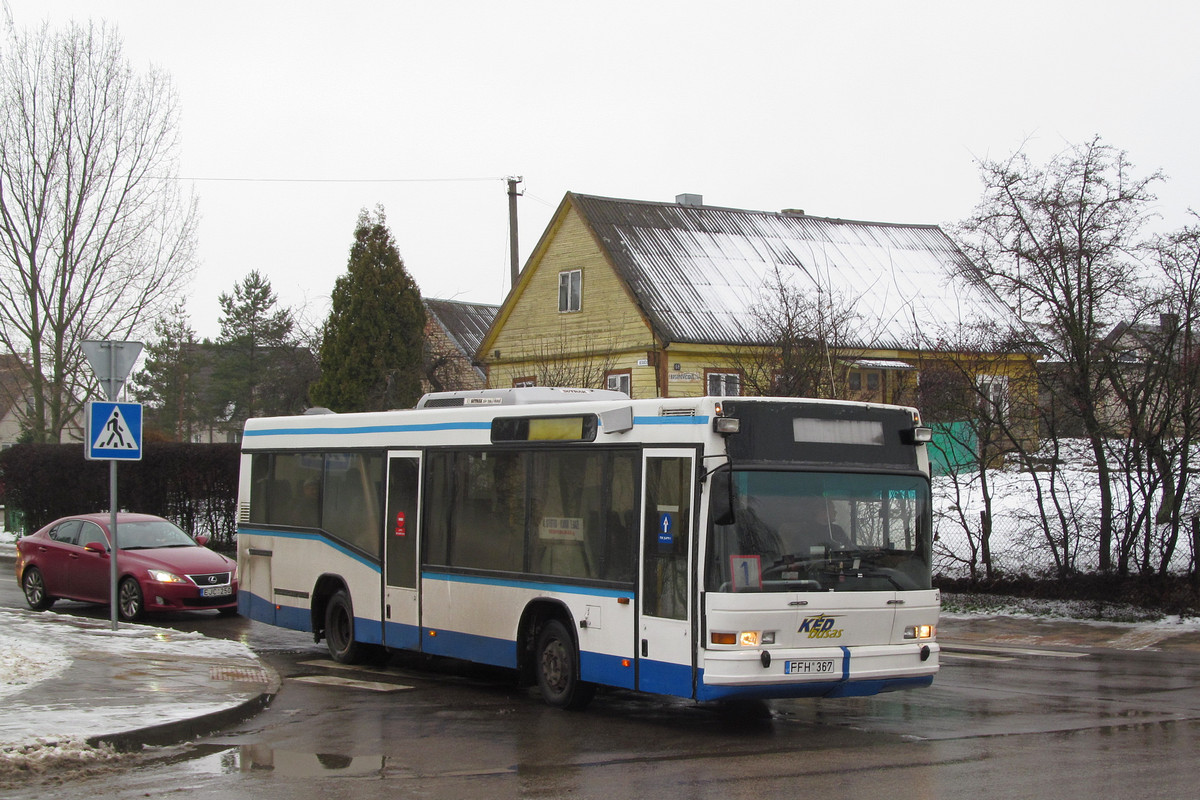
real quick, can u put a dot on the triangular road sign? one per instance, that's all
(115, 435)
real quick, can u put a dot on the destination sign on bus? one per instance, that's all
(576, 428)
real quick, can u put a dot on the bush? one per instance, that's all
(194, 485)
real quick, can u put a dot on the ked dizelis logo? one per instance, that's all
(820, 627)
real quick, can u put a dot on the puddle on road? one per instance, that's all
(261, 758)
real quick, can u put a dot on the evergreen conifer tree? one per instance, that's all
(372, 342)
(254, 352)
(167, 384)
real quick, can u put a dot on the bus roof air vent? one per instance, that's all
(523, 396)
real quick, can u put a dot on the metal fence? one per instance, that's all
(1015, 540)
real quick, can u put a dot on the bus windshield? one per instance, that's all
(818, 531)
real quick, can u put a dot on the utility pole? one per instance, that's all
(514, 255)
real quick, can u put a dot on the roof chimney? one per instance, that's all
(795, 212)
(689, 199)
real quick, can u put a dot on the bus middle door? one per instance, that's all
(401, 603)
(665, 648)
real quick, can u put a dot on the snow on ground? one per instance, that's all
(8, 541)
(37, 647)
(27, 659)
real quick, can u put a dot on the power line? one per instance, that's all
(336, 180)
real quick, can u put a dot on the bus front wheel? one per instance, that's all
(339, 630)
(557, 668)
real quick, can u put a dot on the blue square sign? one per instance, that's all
(114, 431)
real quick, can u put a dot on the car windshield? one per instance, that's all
(806, 531)
(151, 534)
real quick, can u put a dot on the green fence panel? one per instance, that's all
(954, 448)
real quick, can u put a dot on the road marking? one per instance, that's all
(943, 656)
(984, 649)
(350, 683)
(328, 663)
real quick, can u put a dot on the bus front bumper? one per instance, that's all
(816, 672)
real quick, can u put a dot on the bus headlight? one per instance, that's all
(920, 632)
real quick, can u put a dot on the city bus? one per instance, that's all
(713, 548)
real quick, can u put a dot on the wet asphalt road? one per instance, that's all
(998, 722)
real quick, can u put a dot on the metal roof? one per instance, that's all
(699, 271)
(465, 323)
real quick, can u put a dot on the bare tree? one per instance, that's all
(1154, 363)
(96, 237)
(802, 341)
(564, 364)
(1056, 242)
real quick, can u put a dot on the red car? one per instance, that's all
(160, 567)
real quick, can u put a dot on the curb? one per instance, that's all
(169, 733)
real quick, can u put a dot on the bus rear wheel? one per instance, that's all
(339, 630)
(557, 668)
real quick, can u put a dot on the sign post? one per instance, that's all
(112, 363)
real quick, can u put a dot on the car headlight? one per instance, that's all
(162, 576)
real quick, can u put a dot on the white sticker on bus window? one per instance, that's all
(561, 529)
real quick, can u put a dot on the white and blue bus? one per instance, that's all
(707, 548)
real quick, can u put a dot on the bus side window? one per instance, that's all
(620, 545)
(260, 480)
(665, 577)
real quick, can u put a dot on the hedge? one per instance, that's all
(194, 485)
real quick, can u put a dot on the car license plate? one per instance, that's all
(216, 591)
(809, 666)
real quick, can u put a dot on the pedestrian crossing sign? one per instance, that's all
(114, 431)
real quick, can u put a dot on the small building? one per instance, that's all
(667, 300)
(453, 333)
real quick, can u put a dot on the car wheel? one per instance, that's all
(557, 668)
(339, 630)
(34, 586)
(130, 603)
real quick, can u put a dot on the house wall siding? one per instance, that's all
(607, 333)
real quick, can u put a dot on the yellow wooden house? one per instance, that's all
(661, 299)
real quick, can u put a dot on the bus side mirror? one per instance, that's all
(721, 489)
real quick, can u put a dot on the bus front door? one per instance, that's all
(401, 604)
(665, 649)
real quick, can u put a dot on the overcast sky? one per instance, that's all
(296, 115)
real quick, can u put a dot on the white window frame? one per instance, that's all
(620, 382)
(722, 384)
(993, 391)
(570, 291)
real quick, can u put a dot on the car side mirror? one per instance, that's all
(202, 540)
(95, 547)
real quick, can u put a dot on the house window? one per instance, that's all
(993, 394)
(724, 384)
(619, 382)
(524, 383)
(570, 290)
(859, 380)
